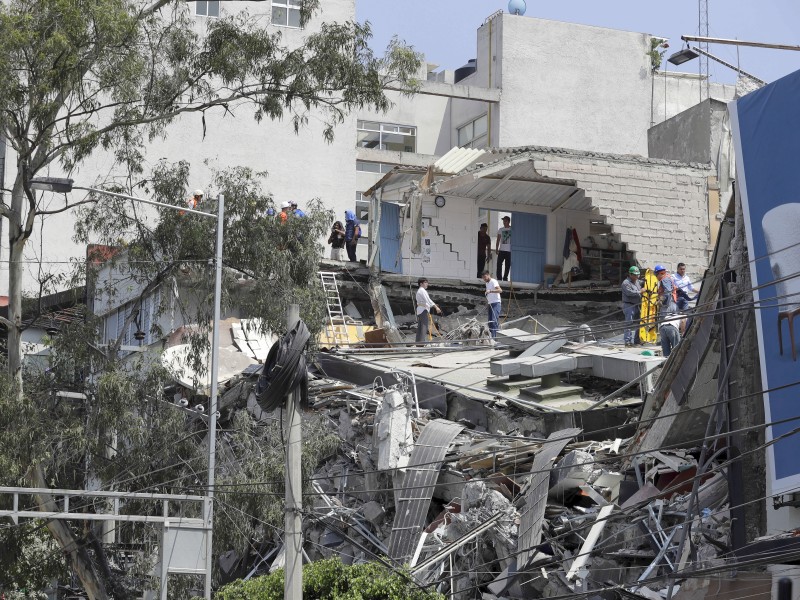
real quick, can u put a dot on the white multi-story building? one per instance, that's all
(534, 82)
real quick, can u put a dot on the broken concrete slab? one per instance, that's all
(393, 436)
(549, 345)
(542, 393)
(548, 364)
(517, 339)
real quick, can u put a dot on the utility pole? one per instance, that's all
(702, 31)
(293, 529)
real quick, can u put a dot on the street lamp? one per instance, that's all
(682, 56)
(64, 186)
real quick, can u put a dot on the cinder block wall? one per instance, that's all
(659, 207)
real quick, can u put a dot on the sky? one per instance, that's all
(444, 30)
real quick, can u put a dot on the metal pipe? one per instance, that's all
(732, 42)
(729, 65)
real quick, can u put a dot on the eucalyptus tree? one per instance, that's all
(78, 76)
(83, 76)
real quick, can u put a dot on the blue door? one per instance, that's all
(528, 243)
(389, 250)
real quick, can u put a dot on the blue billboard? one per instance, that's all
(766, 129)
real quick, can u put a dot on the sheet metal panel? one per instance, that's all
(530, 527)
(413, 497)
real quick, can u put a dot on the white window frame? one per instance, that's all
(210, 7)
(471, 140)
(292, 7)
(387, 128)
(380, 166)
(148, 316)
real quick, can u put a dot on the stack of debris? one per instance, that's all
(489, 515)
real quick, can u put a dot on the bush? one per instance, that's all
(332, 580)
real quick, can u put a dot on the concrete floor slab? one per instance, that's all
(548, 364)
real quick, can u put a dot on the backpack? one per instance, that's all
(357, 232)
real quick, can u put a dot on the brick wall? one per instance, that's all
(659, 208)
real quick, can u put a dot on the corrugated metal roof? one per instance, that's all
(530, 526)
(458, 159)
(413, 497)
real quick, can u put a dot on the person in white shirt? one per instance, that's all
(502, 248)
(493, 300)
(424, 306)
(685, 286)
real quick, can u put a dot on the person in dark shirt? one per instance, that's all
(484, 248)
(336, 240)
(631, 298)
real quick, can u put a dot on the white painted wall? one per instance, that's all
(300, 167)
(674, 92)
(563, 85)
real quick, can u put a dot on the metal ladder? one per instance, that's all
(336, 328)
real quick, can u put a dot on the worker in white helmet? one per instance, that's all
(286, 210)
(194, 201)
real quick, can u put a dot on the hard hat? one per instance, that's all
(198, 193)
(293, 203)
(634, 270)
(285, 205)
(659, 268)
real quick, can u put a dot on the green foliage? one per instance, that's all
(658, 48)
(332, 580)
(30, 561)
(277, 263)
(251, 478)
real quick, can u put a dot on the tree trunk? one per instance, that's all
(78, 557)
(15, 272)
(16, 246)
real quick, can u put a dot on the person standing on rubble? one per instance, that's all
(484, 248)
(336, 240)
(194, 202)
(296, 212)
(424, 306)
(669, 328)
(631, 299)
(503, 249)
(492, 293)
(283, 216)
(352, 231)
(684, 286)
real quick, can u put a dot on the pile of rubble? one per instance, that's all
(489, 515)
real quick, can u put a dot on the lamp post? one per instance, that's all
(63, 186)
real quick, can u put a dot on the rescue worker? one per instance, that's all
(285, 212)
(631, 301)
(194, 202)
(296, 211)
(670, 320)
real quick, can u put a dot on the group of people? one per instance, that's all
(673, 300)
(345, 236)
(425, 305)
(502, 248)
(289, 210)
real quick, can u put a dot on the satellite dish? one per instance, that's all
(516, 7)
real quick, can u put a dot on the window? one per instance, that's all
(145, 323)
(207, 8)
(286, 13)
(473, 134)
(368, 166)
(362, 214)
(384, 136)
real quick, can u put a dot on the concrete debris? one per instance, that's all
(466, 466)
(393, 437)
